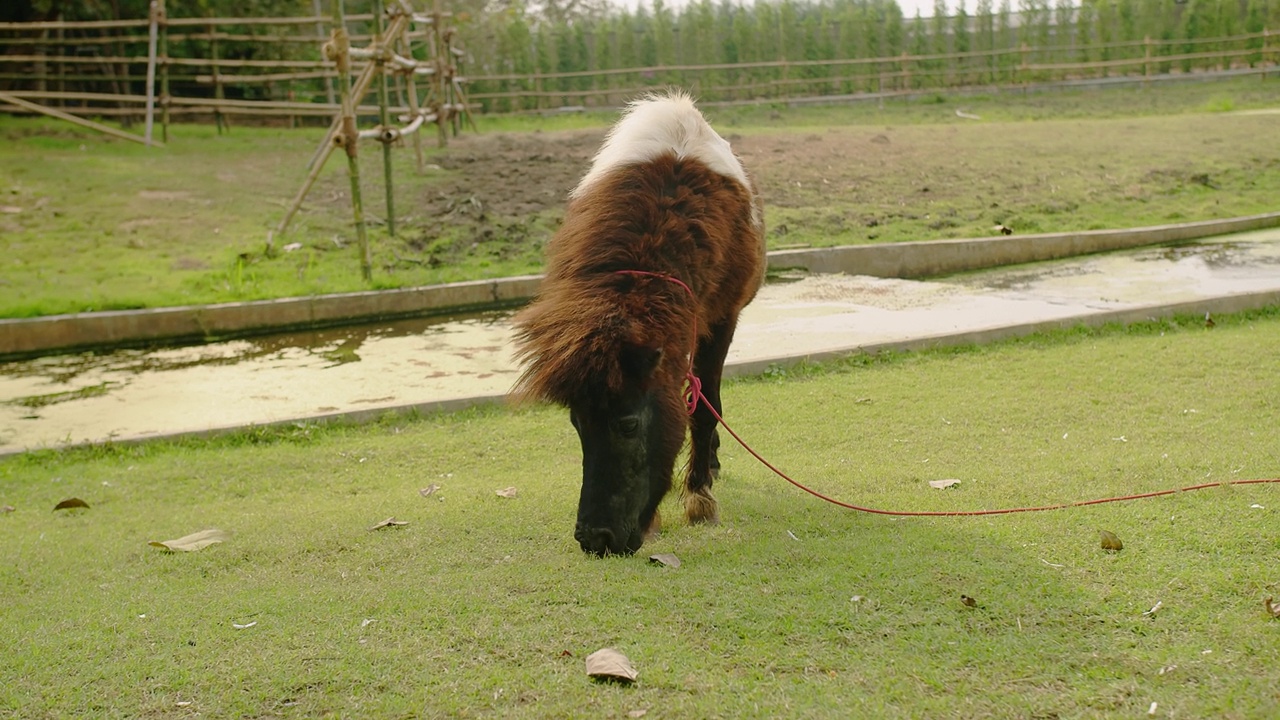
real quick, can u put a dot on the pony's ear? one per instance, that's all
(639, 361)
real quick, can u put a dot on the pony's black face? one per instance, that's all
(628, 449)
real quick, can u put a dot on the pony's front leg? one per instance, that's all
(704, 463)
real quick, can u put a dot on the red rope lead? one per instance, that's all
(693, 395)
(694, 391)
(965, 513)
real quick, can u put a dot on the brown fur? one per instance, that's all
(700, 507)
(668, 216)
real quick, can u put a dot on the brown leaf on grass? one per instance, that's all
(426, 491)
(637, 713)
(192, 542)
(609, 664)
(1110, 541)
(389, 522)
(1273, 608)
(667, 559)
(70, 503)
(6, 509)
(507, 492)
(968, 601)
(943, 484)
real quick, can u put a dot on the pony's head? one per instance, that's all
(600, 354)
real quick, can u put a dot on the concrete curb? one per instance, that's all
(27, 337)
(1219, 305)
(943, 257)
(1127, 316)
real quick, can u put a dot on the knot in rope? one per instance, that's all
(692, 391)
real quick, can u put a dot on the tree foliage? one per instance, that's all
(767, 48)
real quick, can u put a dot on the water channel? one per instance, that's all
(130, 394)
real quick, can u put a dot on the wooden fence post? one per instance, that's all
(348, 136)
(328, 82)
(1020, 75)
(411, 90)
(381, 51)
(218, 119)
(1146, 65)
(164, 72)
(1266, 61)
(153, 38)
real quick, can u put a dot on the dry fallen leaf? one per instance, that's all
(389, 522)
(507, 492)
(70, 503)
(1273, 609)
(5, 509)
(192, 542)
(1110, 541)
(637, 713)
(609, 664)
(968, 601)
(943, 484)
(667, 559)
(424, 492)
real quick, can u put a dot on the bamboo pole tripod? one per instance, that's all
(390, 54)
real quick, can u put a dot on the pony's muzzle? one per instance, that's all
(593, 540)
(600, 541)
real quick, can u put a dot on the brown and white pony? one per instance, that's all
(662, 246)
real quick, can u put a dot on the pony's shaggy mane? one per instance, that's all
(665, 195)
(575, 340)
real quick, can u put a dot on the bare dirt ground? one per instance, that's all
(879, 183)
(520, 174)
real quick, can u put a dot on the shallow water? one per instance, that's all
(127, 393)
(94, 396)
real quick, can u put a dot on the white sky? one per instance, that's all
(909, 7)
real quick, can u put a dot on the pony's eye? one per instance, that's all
(628, 425)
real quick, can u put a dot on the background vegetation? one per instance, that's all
(520, 55)
(94, 223)
(483, 606)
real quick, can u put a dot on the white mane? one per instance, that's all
(658, 124)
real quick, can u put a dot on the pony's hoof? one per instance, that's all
(701, 509)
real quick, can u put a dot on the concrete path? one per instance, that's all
(431, 365)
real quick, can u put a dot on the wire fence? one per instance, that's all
(273, 70)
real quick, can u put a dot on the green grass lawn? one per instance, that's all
(483, 606)
(89, 222)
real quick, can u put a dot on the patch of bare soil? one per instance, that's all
(507, 191)
(513, 175)
(875, 183)
(505, 176)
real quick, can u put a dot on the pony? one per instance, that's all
(661, 247)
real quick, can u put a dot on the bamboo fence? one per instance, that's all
(184, 68)
(808, 81)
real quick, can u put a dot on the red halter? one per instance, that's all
(692, 393)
